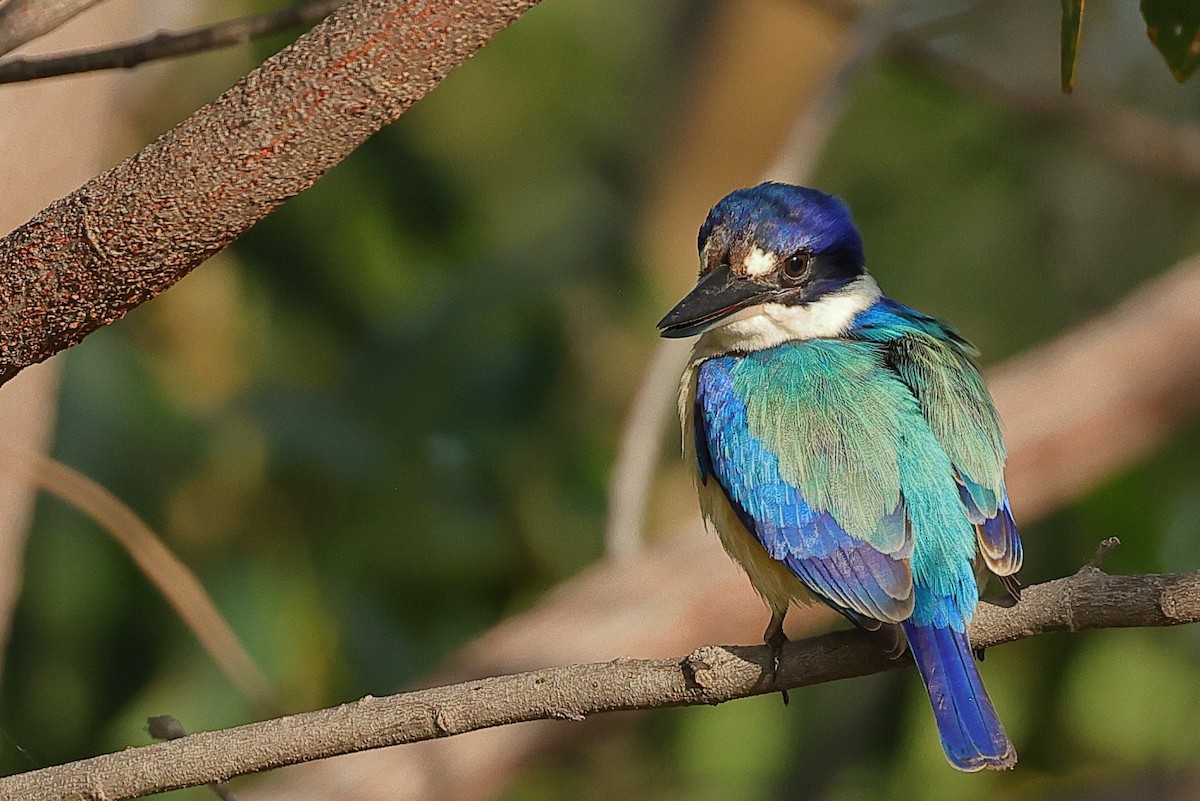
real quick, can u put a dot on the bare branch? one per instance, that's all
(1070, 425)
(1106, 546)
(27, 416)
(168, 727)
(1090, 599)
(23, 21)
(1141, 140)
(131, 233)
(60, 148)
(167, 44)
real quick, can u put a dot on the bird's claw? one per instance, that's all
(775, 641)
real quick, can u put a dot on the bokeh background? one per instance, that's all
(386, 420)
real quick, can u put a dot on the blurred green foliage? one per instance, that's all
(384, 420)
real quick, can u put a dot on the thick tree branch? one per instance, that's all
(23, 21)
(127, 235)
(1090, 599)
(166, 44)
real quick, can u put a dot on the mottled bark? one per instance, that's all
(1090, 599)
(23, 21)
(128, 234)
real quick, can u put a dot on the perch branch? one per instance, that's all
(168, 727)
(1090, 599)
(166, 44)
(125, 236)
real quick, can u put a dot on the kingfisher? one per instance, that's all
(845, 446)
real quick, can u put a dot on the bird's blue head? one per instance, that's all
(773, 243)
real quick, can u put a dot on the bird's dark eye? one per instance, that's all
(796, 265)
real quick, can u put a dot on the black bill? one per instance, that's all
(716, 296)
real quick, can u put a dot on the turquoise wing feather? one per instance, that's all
(855, 576)
(825, 453)
(839, 459)
(937, 365)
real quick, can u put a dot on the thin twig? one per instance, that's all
(27, 416)
(1141, 140)
(23, 21)
(639, 451)
(170, 576)
(1106, 546)
(709, 675)
(166, 44)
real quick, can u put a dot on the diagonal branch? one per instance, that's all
(166, 44)
(129, 234)
(23, 21)
(1090, 599)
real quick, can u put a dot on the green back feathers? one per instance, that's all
(937, 364)
(958, 407)
(860, 425)
(828, 410)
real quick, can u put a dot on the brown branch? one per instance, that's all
(28, 409)
(168, 727)
(23, 21)
(1141, 140)
(131, 233)
(1103, 395)
(166, 44)
(49, 166)
(778, 148)
(1090, 599)
(1069, 426)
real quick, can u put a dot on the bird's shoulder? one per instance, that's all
(939, 367)
(888, 321)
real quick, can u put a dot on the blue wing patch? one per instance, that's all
(845, 571)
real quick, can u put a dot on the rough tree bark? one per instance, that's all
(23, 21)
(1089, 599)
(128, 234)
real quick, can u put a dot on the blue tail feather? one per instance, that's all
(972, 735)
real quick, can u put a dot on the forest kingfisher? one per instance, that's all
(845, 446)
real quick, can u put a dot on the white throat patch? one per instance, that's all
(770, 324)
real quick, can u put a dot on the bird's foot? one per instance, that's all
(775, 639)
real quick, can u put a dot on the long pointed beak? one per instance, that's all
(716, 296)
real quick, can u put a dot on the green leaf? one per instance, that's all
(1072, 18)
(1174, 27)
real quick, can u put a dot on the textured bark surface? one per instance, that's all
(165, 44)
(23, 21)
(130, 233)
(1090, 599)
(55, 136)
